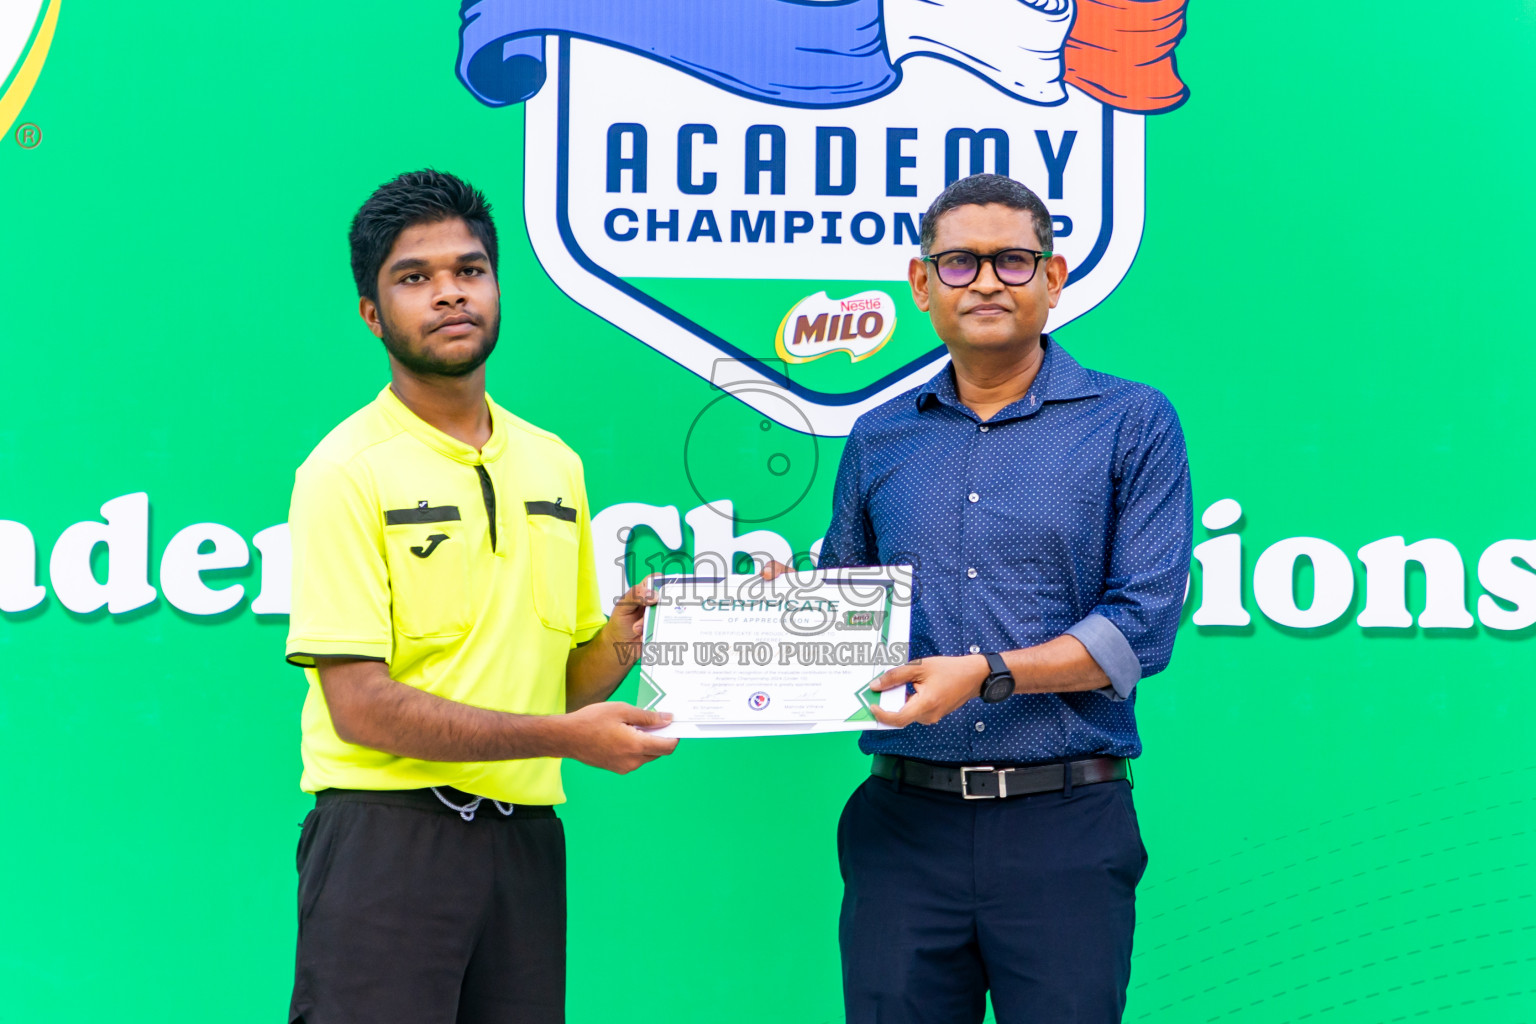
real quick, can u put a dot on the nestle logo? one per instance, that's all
(855, 305)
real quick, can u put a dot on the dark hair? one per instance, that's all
(981, 190)
(418, 197)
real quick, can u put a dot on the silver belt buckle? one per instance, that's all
(965, 787)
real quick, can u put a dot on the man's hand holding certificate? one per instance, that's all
(749, 656)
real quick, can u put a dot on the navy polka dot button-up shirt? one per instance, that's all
(1068, 512)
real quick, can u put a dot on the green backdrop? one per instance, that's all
(1330, 287)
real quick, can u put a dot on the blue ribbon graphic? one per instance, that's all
(779, 51)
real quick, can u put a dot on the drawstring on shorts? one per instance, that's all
(467, 812)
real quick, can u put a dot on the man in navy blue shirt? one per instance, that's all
(1046, 510)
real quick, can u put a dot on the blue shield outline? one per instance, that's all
(573, 247)
(549, 121)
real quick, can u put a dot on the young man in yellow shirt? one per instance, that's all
(445, 611)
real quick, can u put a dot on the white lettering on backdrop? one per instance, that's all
(1506, 569)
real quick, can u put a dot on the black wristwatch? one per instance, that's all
(998, 686)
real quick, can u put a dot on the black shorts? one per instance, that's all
(408, 913)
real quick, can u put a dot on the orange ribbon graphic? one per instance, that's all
(1120, 52)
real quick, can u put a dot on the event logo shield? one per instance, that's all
(744, 182)
(26, 33)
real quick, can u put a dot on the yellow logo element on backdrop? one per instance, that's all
(26, 32)
(817, 326)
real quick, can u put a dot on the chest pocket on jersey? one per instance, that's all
(554, 546)
(428, 571)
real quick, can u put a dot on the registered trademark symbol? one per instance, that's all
(28, 136)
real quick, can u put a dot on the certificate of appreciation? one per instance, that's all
(745, 656)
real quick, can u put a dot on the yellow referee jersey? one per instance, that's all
(469, 573)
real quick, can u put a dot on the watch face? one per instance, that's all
(997, 689)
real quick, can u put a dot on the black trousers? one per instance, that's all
(945, 899)
(409, 914)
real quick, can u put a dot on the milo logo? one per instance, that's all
(861, 620)
(817, 326)
(26, 33)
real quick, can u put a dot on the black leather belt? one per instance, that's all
(986, 782)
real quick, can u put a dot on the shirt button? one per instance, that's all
(971, 573)
(984, 428)
(975, 649)
(974, 497)
(981, 726)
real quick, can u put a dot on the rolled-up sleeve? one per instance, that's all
(1130, 631)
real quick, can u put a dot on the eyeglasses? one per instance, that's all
(959, 267)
